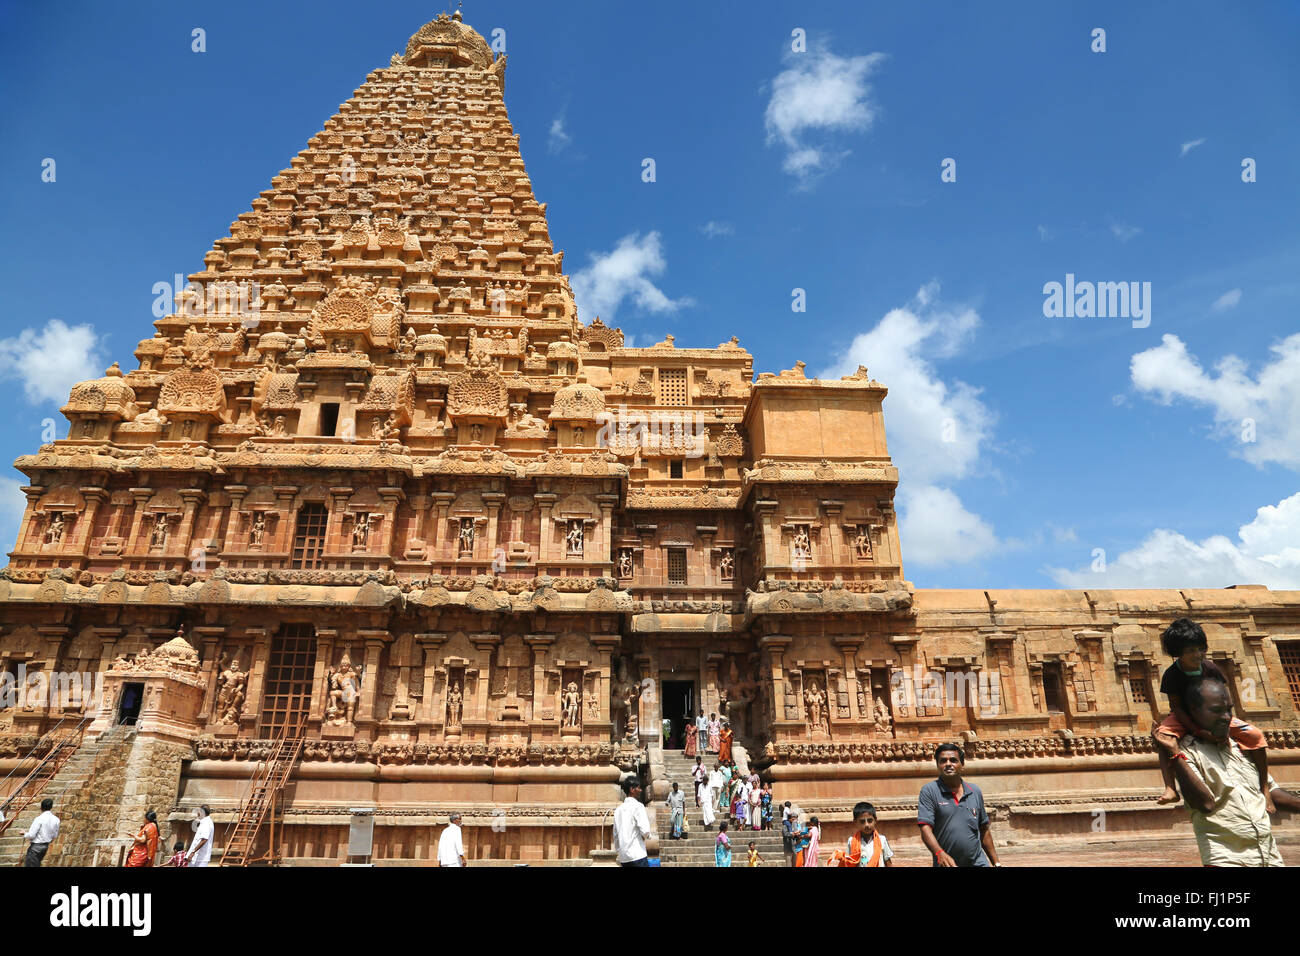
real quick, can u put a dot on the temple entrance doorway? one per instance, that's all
(678, 708)
(129, 709)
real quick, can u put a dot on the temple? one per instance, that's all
(376, 490)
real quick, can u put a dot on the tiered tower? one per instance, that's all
(393, 489)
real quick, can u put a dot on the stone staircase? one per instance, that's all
(697, 848)
(72, 778)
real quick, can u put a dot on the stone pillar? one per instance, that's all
(493, 501)
(428, 713)
(437, 540)
(94, 498)
(545, 502)
(375, 639)
(834, 533)
(283, 539)
(334, 525)
(605, 533)
(326, 638)
(141, 496)
(184, 532)
(256, 678)
(392, 497)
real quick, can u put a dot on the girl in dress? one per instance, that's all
(814, 843)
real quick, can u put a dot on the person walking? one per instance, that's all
(451, 844)
(200, 851)
(631, 826)
(813, 852)
(676, 810)
(144, 849)
(722, 846)
(42, 832)
(1220, 782)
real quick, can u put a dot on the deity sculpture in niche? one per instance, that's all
(727, 564)
(466, 537)
(231, 684)
(360, 530)
(572, 709)
(624, 562)
(54, 532)
(883, 721)
(455, 700)
(801, 542)
(815, 698)
(158, 537)
(862, 542)
(574, 538)
(257, 531)
(343, 685)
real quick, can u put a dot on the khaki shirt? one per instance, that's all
(1238, 831)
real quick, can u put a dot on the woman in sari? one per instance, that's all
(715, 732)
(691, 738)
(756, 808)
(767, 806)
(145, 847)
(722, 846)
(724, 744)
(813, 848)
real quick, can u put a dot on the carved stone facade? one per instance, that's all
(480, 549)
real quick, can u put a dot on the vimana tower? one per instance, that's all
(380, 512)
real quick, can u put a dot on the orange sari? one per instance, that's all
(146, 846)
(724, 746)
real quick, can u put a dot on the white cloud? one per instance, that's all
(12, 505)
(621, 274)
(49, 361)
(819, 93)
(936, 529)
(1260, 416)
(1124, 232)
(1044, 233)
(1189, 146)
(1227, 301)
(558, 139)
(712, 229)
(936, 428)
(1265, 552)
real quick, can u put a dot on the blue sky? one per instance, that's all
(1025, 443)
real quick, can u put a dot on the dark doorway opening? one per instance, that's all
(329, 418)
(128, 710)
(679, 707)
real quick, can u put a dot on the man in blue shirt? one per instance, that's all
(950, 812)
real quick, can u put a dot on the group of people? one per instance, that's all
(1212, 760)
(144, 843)
(709, 735)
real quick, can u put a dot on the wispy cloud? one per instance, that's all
(622, 274)
(47, 362)
(1123, 231)
(819, 94)
(1189, 146)
(1044, 234)
(1227, 301)
(713, 229)
(558, 140)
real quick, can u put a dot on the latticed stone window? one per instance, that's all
(676, 565)
(672, 386)
(1289, 651)
(1139, 682)
(309, 537)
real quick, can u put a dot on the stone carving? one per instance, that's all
(384, 428)
(257, 531)
(727, 564)
(465, 538)
(624, 562)
(158, 536)
(815, 698)
(454, 702)
(862, 542)
(54, 530)
(360, 531)
(883, 722)
(231, 685)
(343, 686)
(574, 538)
(572, 706)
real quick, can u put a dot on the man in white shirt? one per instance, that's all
(631, 826)
(200, 851)
(451, 845)
(41, 834)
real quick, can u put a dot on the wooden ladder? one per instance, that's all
(265, 801)
(61, 747)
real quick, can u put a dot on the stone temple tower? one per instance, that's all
(400, 496)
